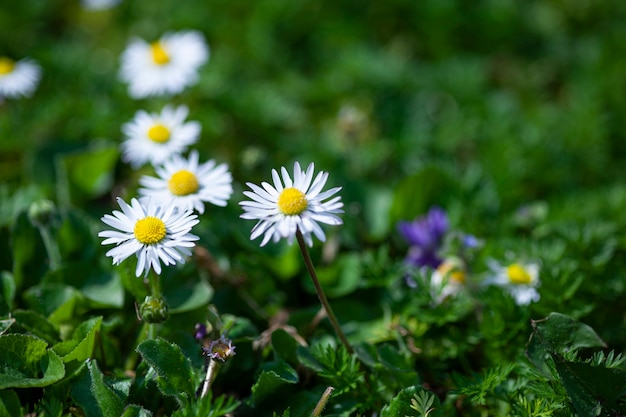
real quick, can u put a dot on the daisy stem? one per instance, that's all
(54, 256)
(320, 292)
(155, 284)
(210, 374)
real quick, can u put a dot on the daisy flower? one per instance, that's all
(153, 233)
(189, 184)
(154, 138)
(18, 78)
(519, 279)
(447, 280)
(165, 66)
(289, 205)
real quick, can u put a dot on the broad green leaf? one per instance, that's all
(284, 346)
(342, 277)
(57, 301)
(270, 380)
(594, 390)
(80, 346)
(90, 172)
(187, 296)
(93, 395)
(26, 362)
(101, 288)
(175, 377)
(556, 334)
(10, 404)
(27, 321)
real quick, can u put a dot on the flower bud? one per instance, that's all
(41, 212)
(153, 310)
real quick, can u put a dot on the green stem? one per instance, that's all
(320, 292)
(155, 284)
(54, 256)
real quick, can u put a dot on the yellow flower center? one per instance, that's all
(292, 201)
(159, 133)
(518, 275)
(159, 54)
(183, 182)
(150, 230)
(6, 65)
(453, 272)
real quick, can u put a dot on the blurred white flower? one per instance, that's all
(152, 232)
(447, 280)
(519, 279)
(18, 78)
(99, 4)
(165, 66)
(188, 184)
(296, 205)
(155, 138)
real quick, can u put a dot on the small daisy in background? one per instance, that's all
(447, 280)
(18, 78)
(188, 184)
(152, 232)
(291, 205)
(164, 67)
(519, 279)
(154, 138)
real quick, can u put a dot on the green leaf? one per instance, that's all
(187, 296)
(93, 395)
(7, 292)
(29, 255)
(594, 390)
(27, 321)
(175, 376)
(134, 410)
(26, 362)
(413, 401)
(91, 172)
(284, 346)
(274, 375)
(10, 404)
(80, 346)
(342, 277)
(557, 334)
(57, 301)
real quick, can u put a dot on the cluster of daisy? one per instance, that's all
(443, 254)
(156, 227)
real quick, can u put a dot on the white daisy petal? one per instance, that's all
(519, 279)
(18, 78)
(158, 137)
(157, 235)
(289, 205)
(164, 67)
(187, 185)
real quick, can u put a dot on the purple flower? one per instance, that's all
(200, 331)
(425, 236)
